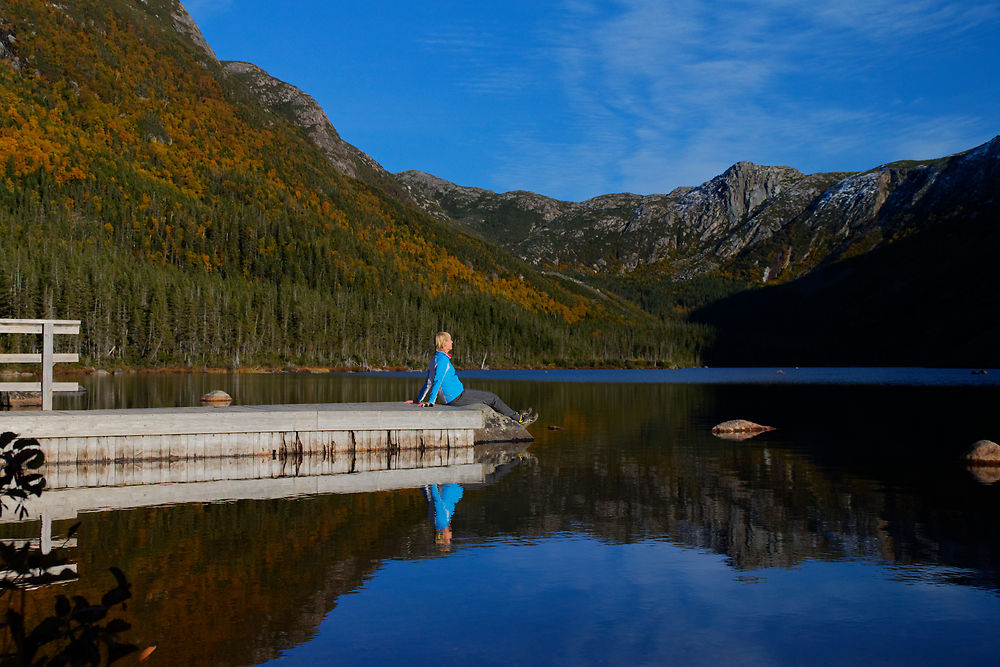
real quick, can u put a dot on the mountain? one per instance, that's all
(894, 265)
(769, 222)
(621, 231)
(192, 212)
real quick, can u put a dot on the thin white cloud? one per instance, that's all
(884, 19)
(500, 81)
(662, 94)
(478, 58)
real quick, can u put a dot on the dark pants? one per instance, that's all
(473, 396)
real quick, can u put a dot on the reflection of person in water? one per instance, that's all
(441, 506)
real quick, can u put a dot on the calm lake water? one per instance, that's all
(630, 535)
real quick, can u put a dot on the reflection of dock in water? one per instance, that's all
(124, 459)
(44, 574)
(96, 487)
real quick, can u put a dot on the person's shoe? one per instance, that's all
(525, 417)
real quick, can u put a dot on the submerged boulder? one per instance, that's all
(740, 427)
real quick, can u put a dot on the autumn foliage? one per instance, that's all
(145, 192)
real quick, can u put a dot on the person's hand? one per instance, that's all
(409, 401)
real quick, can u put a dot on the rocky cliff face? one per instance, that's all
(184, 24)
(8, 41)
(769, 222)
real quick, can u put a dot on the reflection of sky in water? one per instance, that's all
(579, 601)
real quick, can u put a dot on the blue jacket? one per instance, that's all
(441, 377)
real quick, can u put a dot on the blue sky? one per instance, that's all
(576, 98)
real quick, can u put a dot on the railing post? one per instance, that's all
(48, 329)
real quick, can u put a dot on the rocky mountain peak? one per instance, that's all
(734, 194)
(429, 183)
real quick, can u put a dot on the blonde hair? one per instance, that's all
(440, 339)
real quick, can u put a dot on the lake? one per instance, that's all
(626, 534)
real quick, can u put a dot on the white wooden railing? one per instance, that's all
(48, 330)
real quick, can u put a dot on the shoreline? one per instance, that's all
(306, 370)
(88, 371)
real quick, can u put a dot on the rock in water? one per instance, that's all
(983, 453)
(216, 397)
(20, 399)
(497, 428)
(740, 426)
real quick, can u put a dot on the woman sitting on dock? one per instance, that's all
(442, 382)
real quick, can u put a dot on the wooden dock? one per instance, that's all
(336, 431)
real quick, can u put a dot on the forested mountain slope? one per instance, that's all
(147, 191)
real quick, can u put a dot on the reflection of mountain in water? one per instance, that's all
(851, 472)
